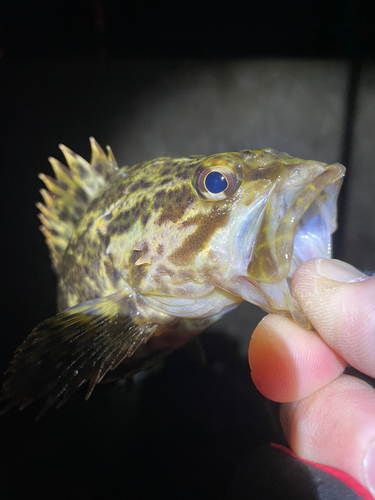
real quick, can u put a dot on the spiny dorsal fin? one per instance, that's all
(70, 193)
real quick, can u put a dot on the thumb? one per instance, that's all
(339, 302)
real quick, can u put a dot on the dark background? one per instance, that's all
(153, 79)
(317, 28)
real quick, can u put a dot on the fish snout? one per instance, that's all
(304, 204)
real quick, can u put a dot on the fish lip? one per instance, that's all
(309, 236)
(272, 292)
(324, 208)
(274, 255)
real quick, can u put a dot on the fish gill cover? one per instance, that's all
(148, 256)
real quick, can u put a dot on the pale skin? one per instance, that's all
(327, 417)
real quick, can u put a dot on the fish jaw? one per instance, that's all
(286, 210)
(291, 223)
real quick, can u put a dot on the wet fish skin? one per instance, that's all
(148, 256)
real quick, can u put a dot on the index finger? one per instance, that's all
(339, 302)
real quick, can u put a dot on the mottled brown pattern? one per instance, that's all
(134, 256)
(159, 252)
(175, 203)
(156, 203)
(196, 242)
(137, 274)
(145, 218)
(152, 194)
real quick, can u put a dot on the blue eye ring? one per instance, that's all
(215, 182)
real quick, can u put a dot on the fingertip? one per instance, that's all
(312, 274)
(287, 362)
(338, 301)
(269, 368)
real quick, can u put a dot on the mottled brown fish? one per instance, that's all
(149, 256)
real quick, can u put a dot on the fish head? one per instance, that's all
(279, 211)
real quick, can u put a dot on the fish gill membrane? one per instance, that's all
(149, 256)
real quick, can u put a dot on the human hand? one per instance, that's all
(327, 417)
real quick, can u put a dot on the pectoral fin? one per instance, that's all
(76, 346)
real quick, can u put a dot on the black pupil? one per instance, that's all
(216, 182)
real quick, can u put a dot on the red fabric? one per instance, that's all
(352, 483)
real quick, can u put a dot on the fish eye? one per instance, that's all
(215, 182)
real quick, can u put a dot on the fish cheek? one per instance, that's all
(173, 204)
(207, 225)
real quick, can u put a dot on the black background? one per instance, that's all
(184, 430)
(318, 28)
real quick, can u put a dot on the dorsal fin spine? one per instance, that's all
(111, 158)
(69, 194)
(61, 172)
(54, 186)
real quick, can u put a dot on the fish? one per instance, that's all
(148, 256)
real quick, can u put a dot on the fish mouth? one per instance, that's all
(297, 226)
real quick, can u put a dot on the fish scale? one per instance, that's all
(147, 257)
